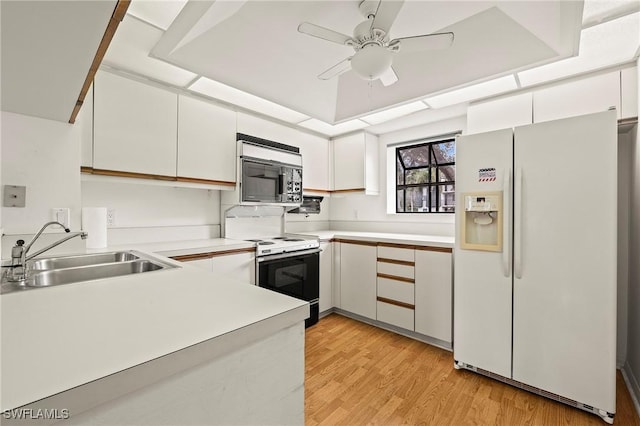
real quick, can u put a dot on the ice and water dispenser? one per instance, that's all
(482, 224)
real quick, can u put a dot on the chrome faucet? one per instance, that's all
(19, 252)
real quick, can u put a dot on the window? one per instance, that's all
(425, 177)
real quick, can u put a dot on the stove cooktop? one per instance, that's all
(283, 244)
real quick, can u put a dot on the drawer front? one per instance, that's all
(395, 315)
(396, 253)
(396, 270)
(396, 290)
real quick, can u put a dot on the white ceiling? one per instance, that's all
(250, 54)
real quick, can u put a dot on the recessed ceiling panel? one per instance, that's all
(485, 44)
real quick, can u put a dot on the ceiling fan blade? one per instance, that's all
(386, 14)
(337, 69)
(422, 42)
(323, 33)
(389, 77)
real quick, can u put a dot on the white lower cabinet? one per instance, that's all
(326, 276)
(434, 306)
(358, 278)
(200, 263)
(395, 277)
(240, 266)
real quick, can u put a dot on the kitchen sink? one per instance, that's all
(91, 272)
(47, 272)
(82, 260)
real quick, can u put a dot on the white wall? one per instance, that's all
(43, 155)
(359, 212)
(145, 213)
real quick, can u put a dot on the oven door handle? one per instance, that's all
(288, 254)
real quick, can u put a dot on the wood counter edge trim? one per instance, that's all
(211, 254)
(340, 191)
(396, 303)
(396, 261)
(324, 191)
(119, 12)
(438, 249)
(356, 242)
(396, 278)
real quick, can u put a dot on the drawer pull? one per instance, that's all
(396, 303)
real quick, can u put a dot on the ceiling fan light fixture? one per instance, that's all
(371, 61)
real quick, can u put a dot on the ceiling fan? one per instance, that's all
(374, 50)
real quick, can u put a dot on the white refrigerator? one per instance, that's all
(535, 258)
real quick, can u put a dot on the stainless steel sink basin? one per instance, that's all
(91, 272)
(82, 260)
(54, 271)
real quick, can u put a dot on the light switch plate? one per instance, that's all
(62, 215)
(14, 196)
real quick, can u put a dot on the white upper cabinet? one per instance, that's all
(585, 96)
(206, 141)
(135, 126)
(355, 163)
(314, 149)
(499, 114)
(629, 95)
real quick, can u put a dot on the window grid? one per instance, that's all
(436, 187)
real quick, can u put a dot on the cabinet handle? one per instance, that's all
(506, 220)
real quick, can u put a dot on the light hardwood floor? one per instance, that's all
(357, 374)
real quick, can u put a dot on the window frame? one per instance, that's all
(432, 167)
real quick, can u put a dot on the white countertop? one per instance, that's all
(60, 337)
(181, 248)
(415, 239)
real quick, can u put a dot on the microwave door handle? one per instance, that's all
(281, 184)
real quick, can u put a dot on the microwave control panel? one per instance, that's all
(294, 185)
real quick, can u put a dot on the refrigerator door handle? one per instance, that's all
(517, 226)
(506, 234)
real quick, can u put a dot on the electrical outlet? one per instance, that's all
(62, 215)
(111, 218)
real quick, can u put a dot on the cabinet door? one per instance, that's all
(200, 264)
(433, 304)
(358, 279)
(206, 141)
(240, 266)
(348, 157)
(510, 111)
(135, 126)
(326, 276)
(586, 96)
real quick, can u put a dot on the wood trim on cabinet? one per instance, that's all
(324, 191)
(396, 278)
(339, 191)
(397, 245)
(118, 173)
(431, 248)
(205, 181)
(356, 242)
(209, 255)
(396, 303)
(397, 262)
(118, 15)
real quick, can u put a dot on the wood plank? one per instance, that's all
(396, 278)
(209, 255)
(205, 181)
(118, 15)
(358, 374)
(397, 262)
(431, 248)
(356, 242)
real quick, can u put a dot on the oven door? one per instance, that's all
(294, 274)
